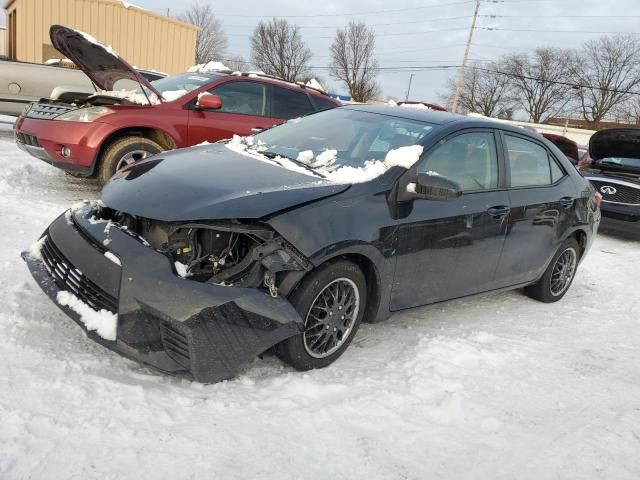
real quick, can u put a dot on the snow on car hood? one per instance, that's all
(211, 182)
(325, 164)
(99, 62)
(615, 142)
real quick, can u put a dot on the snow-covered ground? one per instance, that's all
(501, 387)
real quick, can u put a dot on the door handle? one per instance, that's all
(256, 129)
(499, 211)
(566, 202)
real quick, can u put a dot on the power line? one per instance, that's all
(360, 13)
(582, 32)
(333, 27)
(556, 82)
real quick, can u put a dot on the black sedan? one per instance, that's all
(198, 260)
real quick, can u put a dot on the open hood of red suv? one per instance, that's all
(100, 63)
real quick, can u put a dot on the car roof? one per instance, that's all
(443, 118)
(218, 74)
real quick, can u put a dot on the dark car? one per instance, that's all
(201, 259)
(96, 135)
(614, 170)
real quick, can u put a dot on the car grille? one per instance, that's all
(46, 110)
(624, 193)
(28, 139)
(175, 344)
(69, 278)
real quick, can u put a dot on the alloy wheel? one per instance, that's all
(563, 271)
(331, 318)
(132, 157)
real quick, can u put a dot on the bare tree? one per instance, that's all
(211, 42)
(604, 71)
(277, 49)
(629, 110)
(353, 62)
(486, 90)
(540, 81)
(237, 63)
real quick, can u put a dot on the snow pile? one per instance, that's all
(131, 95)
(209, 67)
(103, 322)
(172, 95)
(112, 257)
(92, 39)
(35, 250)
(181, 269)
(313, 83)
(325, 163)
(419, 106)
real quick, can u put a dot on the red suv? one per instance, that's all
(96, 135)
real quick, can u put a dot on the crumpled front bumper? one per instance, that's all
(174, 325)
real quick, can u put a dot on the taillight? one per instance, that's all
(598, 198)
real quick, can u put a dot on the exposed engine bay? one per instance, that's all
(220, 252)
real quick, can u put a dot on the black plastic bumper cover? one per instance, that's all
(172, 324)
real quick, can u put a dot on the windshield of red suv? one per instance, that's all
(178, 86)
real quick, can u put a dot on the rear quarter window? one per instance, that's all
(322, 103)
(288, 104)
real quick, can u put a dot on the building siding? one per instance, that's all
(144, 39)
(4, 40)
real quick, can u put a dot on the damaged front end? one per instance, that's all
(199, 299)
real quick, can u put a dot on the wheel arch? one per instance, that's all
(158, 135)
(581, 237)
(372, 275)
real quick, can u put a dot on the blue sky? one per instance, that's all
(418, 33)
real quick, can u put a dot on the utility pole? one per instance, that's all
(456, 96)
(409, 89)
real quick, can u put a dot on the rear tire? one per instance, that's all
(125, 151)
(332, 302)
(559, 275)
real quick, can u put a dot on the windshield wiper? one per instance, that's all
(273, 155)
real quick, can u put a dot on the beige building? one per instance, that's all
(145, 39)
(3, 42)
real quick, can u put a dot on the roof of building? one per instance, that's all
(127, 5)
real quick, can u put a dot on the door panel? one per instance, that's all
(534, 232)
(448, 250)
(451, 249)
(245, 110)
(542, 204)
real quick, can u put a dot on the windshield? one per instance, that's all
(342, 137)
(622, 162)
(178, 86)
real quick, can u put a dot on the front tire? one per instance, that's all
(559, 275)
(123, 152)
(332, 302)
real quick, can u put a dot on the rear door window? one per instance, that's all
(530, 164)
(287, 104)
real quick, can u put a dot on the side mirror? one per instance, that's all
(208, 101)
(434, 187)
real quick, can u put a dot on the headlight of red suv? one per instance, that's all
(84, 115)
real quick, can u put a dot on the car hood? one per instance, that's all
(615, 142)
(100, 63)
(211, 182)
